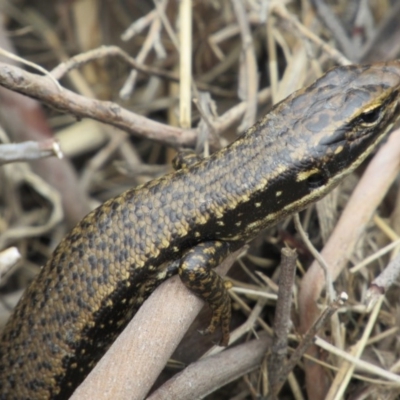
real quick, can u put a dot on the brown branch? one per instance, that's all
(282, 321)
(29, 150)
(207, 375)
(134, 361)
(43, 89)
(376, 180)
(387, 278)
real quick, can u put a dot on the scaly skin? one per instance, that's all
(187, 222)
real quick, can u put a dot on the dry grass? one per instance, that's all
(150, 77)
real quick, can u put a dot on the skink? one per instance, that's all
(186, 222)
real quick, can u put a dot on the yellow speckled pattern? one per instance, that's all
(187, 222)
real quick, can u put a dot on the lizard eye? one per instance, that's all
(316, 180)
(370, 117)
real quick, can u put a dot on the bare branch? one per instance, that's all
(29, 150)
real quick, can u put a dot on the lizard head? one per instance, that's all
(350, 109)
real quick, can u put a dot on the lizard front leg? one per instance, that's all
(196, 272)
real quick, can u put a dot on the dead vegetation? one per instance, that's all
(125, 84)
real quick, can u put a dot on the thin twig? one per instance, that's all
(360, 364)
(332, 22)
(114, 51)
(282, 12)
(22, 173)
(30, 150)
(387, 278)
(309, 338)
(375, 256)
(8, 258)
(248, 83)
(151, 42)
(139, 25)
(185, 65)
(21, 60)
(342, 378)
(323, 264)
(282, 321)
